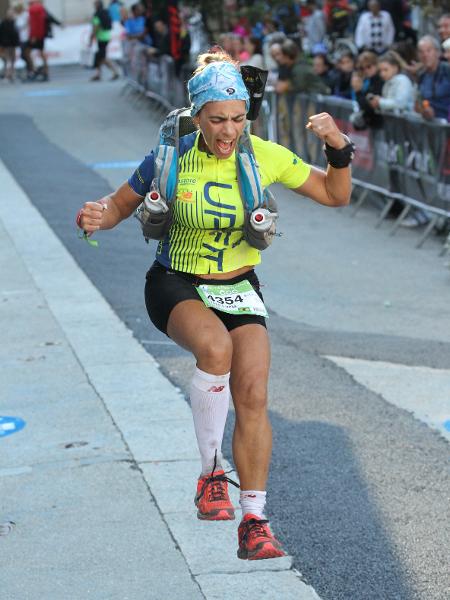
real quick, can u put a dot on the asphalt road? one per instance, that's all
(359, 487)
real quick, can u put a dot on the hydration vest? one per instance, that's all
(155, 213)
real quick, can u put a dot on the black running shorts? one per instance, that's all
(165, 288)
(100, 54)
(36, 44)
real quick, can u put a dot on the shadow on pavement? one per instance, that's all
(322, 510)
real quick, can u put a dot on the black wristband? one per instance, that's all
(342, 157)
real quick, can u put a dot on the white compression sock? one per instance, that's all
(210, 399)
(253, 502)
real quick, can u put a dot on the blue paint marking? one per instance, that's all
(45, 93)
(124, 164)
(9, 425)
(447, 425)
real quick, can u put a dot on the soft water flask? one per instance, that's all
(261, 219)
(154, 203)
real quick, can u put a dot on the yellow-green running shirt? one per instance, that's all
(209, 205)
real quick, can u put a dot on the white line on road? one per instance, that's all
(423, 391)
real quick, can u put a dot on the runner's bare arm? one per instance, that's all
(107, 212)
(331, 188)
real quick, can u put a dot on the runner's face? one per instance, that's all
(222, 124)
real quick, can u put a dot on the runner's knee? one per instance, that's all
(250, 399)
(214, 353)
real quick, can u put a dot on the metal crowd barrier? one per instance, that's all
(154, 77)
(406, 161)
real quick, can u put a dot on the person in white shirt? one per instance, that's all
(21, 20)
(375, 30)
(398, 91)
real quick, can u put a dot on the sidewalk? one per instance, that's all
(90, 480)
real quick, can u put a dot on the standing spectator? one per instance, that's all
(275, 38)
(37, 16)
(184, 52)
(443, 26)
(375, 30)
(398, 91)
(226, 42)
(324, 69)
(114, 11)
(345, 66)
(298, 75)
(366, 82)
(23, 29)
(253, 47)
(273, 63)
(161, 39)
(101, 31)
(135, 25)
(398, 94)
(314, 26)
(434, 81)
(239, 49)
(337, 14)
(9, 41)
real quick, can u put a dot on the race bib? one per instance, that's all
(235, 299)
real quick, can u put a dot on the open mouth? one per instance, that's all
(224, 146)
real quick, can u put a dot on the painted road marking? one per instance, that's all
(9, 425)
(124, 164)
(46, 93)
(423, 391)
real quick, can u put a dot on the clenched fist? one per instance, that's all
(90, 216)
(325, 128)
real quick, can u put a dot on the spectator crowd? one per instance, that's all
(369, 51)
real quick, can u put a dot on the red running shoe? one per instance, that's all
(212, 499)
(256, 541)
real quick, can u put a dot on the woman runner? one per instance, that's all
(205, 247)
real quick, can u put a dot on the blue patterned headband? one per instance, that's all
(217, 81)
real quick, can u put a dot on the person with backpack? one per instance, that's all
(205, 196)
(101, 32)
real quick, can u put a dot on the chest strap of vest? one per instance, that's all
(167, 155)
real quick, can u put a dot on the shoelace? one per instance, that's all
(256, 527)
(217, 490)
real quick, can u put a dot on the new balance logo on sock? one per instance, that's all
(249, 495)
(216, 388)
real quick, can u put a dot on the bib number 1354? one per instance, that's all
(236, 299)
